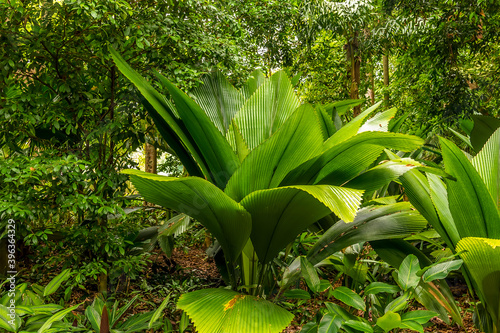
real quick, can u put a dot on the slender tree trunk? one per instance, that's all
(372, 84)
(151, 158)
(385, 60)
(355, 67)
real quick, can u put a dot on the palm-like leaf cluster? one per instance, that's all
(262, 167)
(465, 212)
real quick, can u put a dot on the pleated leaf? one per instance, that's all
(481, 257)
(471, 205)
(382, 174)
(267, 165)
(255, 80)
(280, 214)
(412, 325)
(439, 196)
(371, 223)
(219, 99)
(174, 226)
(216, 150)
(341, 163)
(325, 121)
(267, 109)
(226, 219)
(236, 140)
(484, 127)
(226, 311)
(379, 122)
(5, 318)
(351, 128)
(171, 128)
(487, 165)
(343, 106)
(417, 189)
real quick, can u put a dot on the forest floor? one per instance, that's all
(196, 262)
(189, 269)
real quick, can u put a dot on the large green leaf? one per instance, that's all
(267, 165)
(222, 310)
(172, 128)
(481, 256)
(487, 165)
(266, 110)
(421, 191)
(382, 174)
(483, 128)
(341, 107)
(371, 223)
(446, 225)
(280, 214)
(341, 163)
(226, 219)
(216, 150)
(473, 209)
(379, 122)
(351, 128)
(325, 121)
(219, 99)
(255, 80)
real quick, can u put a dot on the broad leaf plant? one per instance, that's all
(262, 168)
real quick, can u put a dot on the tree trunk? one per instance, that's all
(103, 283)
(385, 60)
(372, 85)
(355, 66)
(151, 158)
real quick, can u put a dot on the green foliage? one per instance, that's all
(264, 182)
(383, 306)
(25, 308)
(466, 206)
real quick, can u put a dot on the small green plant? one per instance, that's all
(25, 308)
(381, 307)
(102, 316)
